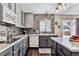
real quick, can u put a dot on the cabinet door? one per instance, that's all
(59, 53)
(10, 6)
(34, 41)
(26, 41)
(7, 15)
(17, 45)
(25, 45)
(53, 48)
(18, 51)
(29, 20)
(44, 41)
(63, 50)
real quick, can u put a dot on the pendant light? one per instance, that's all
(60, 7)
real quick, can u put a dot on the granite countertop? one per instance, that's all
(64, 41)
(3, 47)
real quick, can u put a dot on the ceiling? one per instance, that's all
(38, 8)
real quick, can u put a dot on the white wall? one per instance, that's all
(73, 9)
(38, 8)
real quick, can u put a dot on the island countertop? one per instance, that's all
(64, 41)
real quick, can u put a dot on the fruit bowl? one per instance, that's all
(74, 38)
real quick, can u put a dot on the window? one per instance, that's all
(69, 26)
(45, 25)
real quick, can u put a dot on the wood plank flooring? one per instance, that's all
(35, 52)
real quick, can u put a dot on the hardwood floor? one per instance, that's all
(35, 52)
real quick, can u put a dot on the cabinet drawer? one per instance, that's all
(63, 50)
(7, 52)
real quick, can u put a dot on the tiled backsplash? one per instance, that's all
(6, 30)
(38, 17)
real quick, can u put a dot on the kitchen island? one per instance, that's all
(63, 47)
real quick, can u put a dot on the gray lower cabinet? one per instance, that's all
(59, 53)
(53, 48)
(17, 49)
(44, 41)
(45, 44)
(20, 48)
(25, 46)
(7, 52)
(63, 50)
(59, 50)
